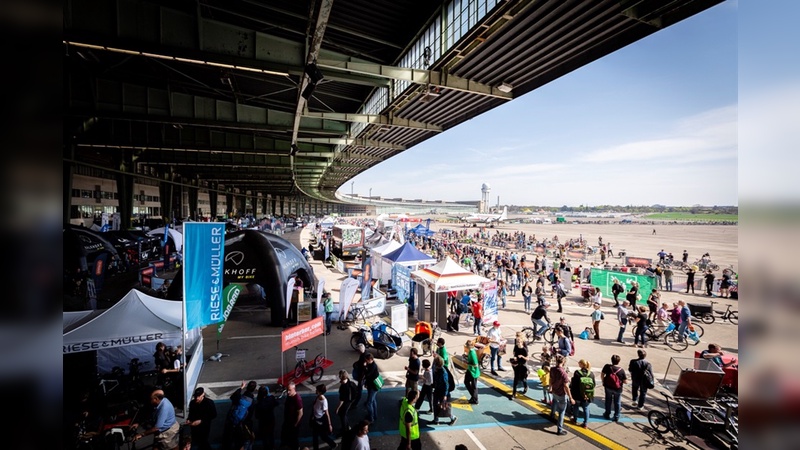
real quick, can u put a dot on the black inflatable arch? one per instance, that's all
(258, 257)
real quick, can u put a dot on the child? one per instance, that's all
(426, 393)
(544, 380)
(520, 375)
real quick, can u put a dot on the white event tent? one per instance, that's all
(434, 282)
(131, 329)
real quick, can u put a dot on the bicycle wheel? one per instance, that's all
(354, 341)
(316, 374)
(698, 329)
(299, 369)
(713, 266)
(529, 335)
(550, 335)
(484, 361)
(658, 421)
(707, 318)
(318, 360)
(672, 341)
(734, 317)
(349, 317)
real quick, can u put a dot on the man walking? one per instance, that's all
(473, 373)
(409, 423)
(686, 320)
(292, 416)
(638, 369)
(201, 412)
(559, 387)
(668, 278)
(622, 318)
(613, 378)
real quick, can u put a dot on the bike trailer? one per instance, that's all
(699, 310)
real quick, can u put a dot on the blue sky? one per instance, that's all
(653, 123)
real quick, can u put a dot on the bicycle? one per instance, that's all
(729, 314)
(671, 421)
(655, 331)
(313, 369)
(674, 340)
(549, 335)
(358, 315)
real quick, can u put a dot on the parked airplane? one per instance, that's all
(488, 219)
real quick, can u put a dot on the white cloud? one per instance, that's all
(712, 134)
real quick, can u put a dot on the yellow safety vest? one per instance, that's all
(404, 408)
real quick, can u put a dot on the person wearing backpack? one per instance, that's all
(443, 385)
(613, 378)
(239, 422)
(641, 378)
(582, 387)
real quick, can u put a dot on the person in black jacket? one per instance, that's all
(265, 414)
(371, 373)
(636, 369)
(617, 289)
(201, 412)
(540, 320)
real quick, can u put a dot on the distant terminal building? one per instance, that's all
(376, 205)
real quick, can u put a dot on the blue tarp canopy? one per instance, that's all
(407, 255)
(422, 230)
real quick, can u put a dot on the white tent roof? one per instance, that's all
(176, 236)
(446, 276)
(385, 248)
(136, 319)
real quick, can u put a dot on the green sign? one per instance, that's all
(604, 279)
(229, 296)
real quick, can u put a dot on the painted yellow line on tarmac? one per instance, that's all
(586, 432)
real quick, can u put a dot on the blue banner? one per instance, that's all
(203, 267)
(401, 281)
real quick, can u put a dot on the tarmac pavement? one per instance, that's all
(251, 352)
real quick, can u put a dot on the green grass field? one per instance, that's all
(694, 217)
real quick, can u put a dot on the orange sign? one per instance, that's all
(297, 335)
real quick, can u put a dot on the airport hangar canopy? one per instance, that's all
(295, 98)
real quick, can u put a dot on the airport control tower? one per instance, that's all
(485, 188)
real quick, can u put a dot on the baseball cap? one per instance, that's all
(496, 323)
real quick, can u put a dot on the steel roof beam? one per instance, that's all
(434, 78)
(354, 141)
(376, 120)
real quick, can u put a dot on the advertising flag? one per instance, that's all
(320, 290)
(229, 296)
(289, 292)
(203, 267)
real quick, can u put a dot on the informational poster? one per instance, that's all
(489, 290)
(304, 311)
(401, 280)
(399, 315)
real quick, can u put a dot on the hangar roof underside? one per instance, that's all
(288, 97)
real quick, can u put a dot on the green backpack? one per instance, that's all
(586, 384)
